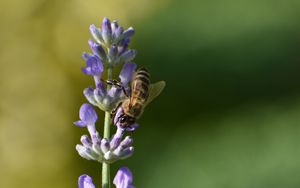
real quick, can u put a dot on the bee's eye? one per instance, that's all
(122, 119)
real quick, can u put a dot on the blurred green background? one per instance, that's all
(229, 117)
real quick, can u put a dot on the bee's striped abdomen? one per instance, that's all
(140, 87)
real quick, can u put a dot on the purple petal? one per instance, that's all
(127, 73)
(123, 178)
(87, 114)
(118, 114)
(85, 181)
(80, 123)
(94, 66)
(87, 70)
(86, 56)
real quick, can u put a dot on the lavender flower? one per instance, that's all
(123, 179)
(88, 118)
(105, 99)
(115, 39)
(85, 181)
(110, 48)
(93, 67)
(101, 150)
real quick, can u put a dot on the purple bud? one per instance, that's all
(86, 152)
(117, 34)
(105, 145)
(113, 52)
(98, 50)
(114, 92)
(114, 26)
(85, 181)
(116, 139)
(128, 33)
(100, 89)
(106, 30)
(126, 142)
(85, 140)
(87, 114)
(96, 138)
(123, 178)
(123, 45)
(96, 33)
(89, 95)
(124, 153)
(128, 55)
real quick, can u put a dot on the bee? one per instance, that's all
(141, 94)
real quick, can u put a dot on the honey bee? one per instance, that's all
(141, 94)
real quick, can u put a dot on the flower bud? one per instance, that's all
(105, 145)
(128, 55)
(86, 153)
(106, 31)
(128, 33)
(85, 140)
(89, 95)
(113, 53)
(96, 33)
(98, 50)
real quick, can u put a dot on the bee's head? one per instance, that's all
(123, 120)
(126, 121)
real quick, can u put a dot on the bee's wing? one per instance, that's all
(154, 90)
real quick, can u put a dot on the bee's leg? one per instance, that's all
(114, 111)
(124, 91)
(117, 84)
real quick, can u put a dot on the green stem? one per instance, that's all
(106, 134)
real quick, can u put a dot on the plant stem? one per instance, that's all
(106, 134)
